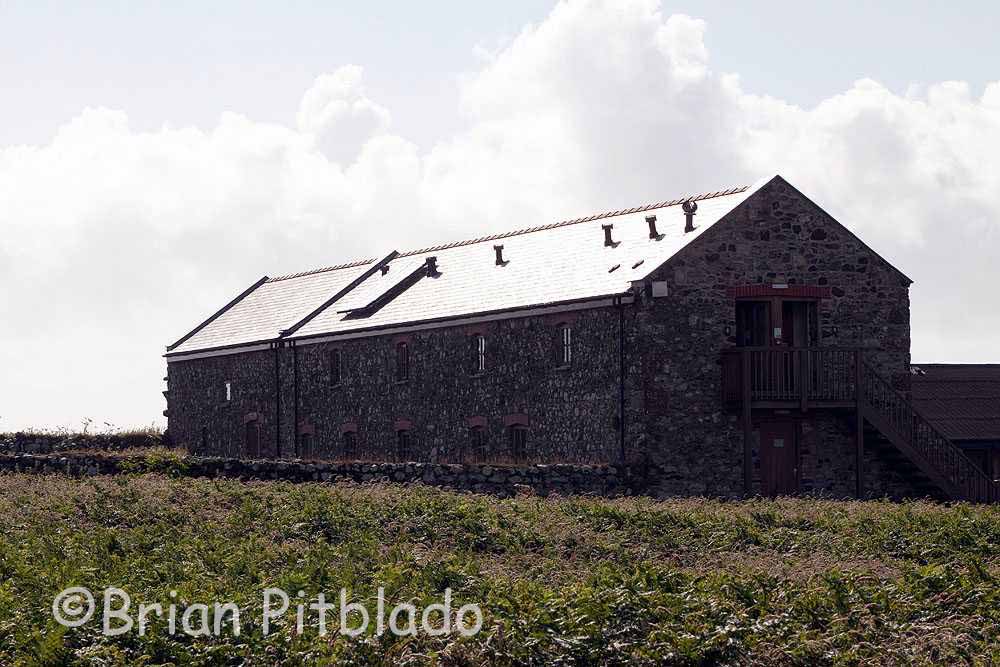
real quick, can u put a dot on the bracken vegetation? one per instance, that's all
(565, 581)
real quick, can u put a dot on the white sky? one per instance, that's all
(156, 159)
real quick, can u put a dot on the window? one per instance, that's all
(229, 391)
(402, 361)
(565, 345)
(336, 367)
(350, 444)
(518, 442)
(402, 445)
(477, 445)
(252, 440)
(478, 353)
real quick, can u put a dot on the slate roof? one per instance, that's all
(961, 400)
(545, 265)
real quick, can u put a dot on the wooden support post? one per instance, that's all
(859, 454)
(747, 423)
(803, 374)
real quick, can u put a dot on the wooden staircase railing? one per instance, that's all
(783, 377)
(937, 457)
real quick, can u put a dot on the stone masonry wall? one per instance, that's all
(571, 412)
(204, 422)
(502, 480)
(776, 236)
(494, 479)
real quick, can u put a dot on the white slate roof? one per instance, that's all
(560, 262)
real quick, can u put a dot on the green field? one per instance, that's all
(560, 580)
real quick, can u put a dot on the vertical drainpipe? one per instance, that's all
(295, 395)
(277, 400)
(621, 377)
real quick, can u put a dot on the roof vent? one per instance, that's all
(690, 208)
(498, 249)
(384, 269)
(432, 266)
(651, 221)
(608, 241)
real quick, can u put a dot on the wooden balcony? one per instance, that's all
(785, 377)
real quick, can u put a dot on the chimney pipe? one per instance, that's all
(432, 267)
(499, 251)
(690, 208)
(651, 221)
(607, 235)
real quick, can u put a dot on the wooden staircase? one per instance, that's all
(782, 378)
(934, 455)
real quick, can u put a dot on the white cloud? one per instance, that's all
(116, 241)
(337, 115)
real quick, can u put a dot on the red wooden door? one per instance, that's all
(779, 460)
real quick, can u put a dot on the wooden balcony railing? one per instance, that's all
(785, 374)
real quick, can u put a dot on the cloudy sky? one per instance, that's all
(155, 160)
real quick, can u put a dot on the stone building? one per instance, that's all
(736, 342)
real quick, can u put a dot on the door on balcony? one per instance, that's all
(779, 458)
(753, 323)
(799, 323)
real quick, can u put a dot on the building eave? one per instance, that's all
(600, 301)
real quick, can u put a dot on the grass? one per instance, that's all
(566, 581)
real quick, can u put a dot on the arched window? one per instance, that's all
(564, 345)
(251, 444)
(477, 446)
(518, 435)
(349, 445)
(403, 443)
(478, 349)
(306, 445)
(402, 361)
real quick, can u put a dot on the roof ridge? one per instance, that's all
(526, 230)
(574, 221)
(337, 267)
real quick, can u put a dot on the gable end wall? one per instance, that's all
(776, 235)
